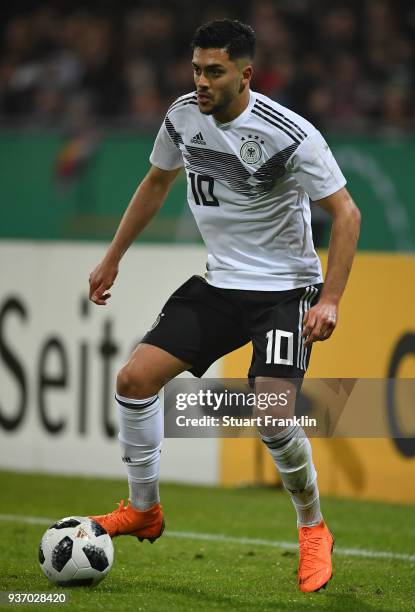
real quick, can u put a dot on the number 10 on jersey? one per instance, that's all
(202, 189)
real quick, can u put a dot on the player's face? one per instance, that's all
(219, 81)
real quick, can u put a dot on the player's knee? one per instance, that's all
(132, 383)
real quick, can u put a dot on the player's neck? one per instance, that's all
(234, 109)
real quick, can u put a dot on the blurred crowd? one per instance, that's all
(346, 66)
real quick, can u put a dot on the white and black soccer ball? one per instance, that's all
(76, 551)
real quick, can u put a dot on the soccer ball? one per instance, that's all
(76, 551)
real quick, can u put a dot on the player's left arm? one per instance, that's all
(320, 321)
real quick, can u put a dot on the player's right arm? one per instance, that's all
(144, 204)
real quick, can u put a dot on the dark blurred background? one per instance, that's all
(346, 66)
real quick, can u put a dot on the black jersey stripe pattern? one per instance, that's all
(273, 169)
(276, 123)
(283, 118)
(185, 103)
(189, 99)
(224, 167)
(175, 136)
(228, 169)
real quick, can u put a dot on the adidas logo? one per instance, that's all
(82, 534)
(198, 139)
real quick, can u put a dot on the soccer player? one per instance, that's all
(252, 167)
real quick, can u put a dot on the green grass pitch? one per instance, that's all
(184, 572)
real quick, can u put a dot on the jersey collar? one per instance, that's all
(239, 120)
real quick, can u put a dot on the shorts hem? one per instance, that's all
(196, 370)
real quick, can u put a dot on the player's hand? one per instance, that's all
(319, 322)
(100, 280)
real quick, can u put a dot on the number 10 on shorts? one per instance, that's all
(274, 337)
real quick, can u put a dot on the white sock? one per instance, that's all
(140, 437)
(291, 452)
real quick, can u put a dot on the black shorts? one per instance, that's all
(200, 323)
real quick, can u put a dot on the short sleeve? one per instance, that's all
(165, 154)
(315, 168)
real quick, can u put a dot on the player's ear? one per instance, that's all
(247, 73)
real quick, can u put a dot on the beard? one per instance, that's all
(225, 99)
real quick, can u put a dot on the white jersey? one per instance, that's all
(249, 184)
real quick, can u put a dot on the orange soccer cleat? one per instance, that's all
(315, 569)
(126, 520)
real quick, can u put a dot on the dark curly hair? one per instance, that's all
(238, 39)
